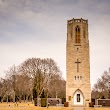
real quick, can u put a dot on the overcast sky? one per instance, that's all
(37, 28)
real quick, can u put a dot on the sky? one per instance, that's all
(37, 28)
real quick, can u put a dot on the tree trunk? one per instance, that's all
(14, 97)
(7, 98)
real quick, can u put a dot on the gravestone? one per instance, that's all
(104, 102)
(54, 101)
(50, 101)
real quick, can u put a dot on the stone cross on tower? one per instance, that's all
(77, 65)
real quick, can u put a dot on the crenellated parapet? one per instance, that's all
(77, 21)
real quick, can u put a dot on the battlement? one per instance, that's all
(77, 20)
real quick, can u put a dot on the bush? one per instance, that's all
(35, 101)
(91, 104)
(66, 104)
(43, 102)
(63, 100)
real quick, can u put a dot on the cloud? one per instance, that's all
(31, 23)
(30, 28)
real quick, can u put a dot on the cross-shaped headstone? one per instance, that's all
(77, 65)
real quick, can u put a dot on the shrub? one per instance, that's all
(43, 102)
(91, 104)
(63, 100)
(66, 104)
(35, 101)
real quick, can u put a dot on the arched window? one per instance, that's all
(84, 34)
(75, 77)
(77, 37)
(78, 77)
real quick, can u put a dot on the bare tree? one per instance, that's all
(20, 84)
(23, 87)
(11, 75)
(100, 89)
(33, 74)
(57, 87)
(41, 70)
(4, 88)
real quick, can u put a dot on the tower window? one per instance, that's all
(80, 77)
(77, 37)
(75, 77)
(84, 36)
(71, 35)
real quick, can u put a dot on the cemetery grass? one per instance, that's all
(100, 108)
(30, 106)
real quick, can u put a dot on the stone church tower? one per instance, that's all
(78, 88)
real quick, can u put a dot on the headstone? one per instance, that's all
(50, 101)
(54, 101)
(104, 102)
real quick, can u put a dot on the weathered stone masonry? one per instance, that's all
(78, 62)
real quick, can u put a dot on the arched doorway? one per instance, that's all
(78, 98)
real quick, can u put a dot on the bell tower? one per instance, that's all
(78, 88)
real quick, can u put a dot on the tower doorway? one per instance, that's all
(78, 98)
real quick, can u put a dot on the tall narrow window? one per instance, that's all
(71, 35)
(77, 37)
(78, 77)
(84, 36)
(78, 97)
(75, 77)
